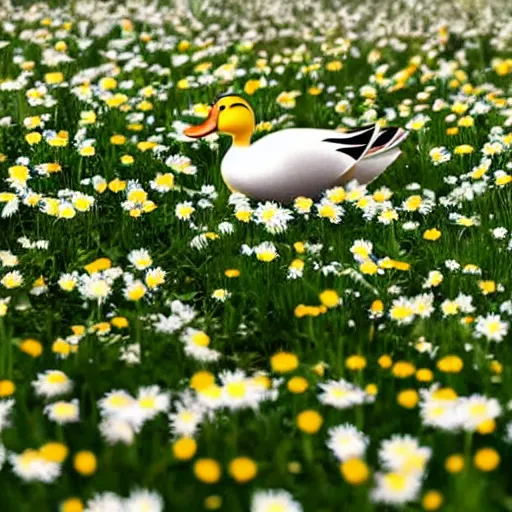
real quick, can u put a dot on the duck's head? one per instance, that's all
(231, 114)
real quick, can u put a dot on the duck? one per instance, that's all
(295, 162)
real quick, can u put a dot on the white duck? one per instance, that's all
(297, 161)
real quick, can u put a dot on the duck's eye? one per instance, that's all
(222, 107)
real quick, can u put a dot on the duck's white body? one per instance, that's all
(305, 161)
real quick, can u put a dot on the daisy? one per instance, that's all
(266, 252)
(211, 397)
(39, 287)
(439, 409)
(423, 305)
(187, 418)
(115, 430)
(492, 148)
(152, 401)
(105, 502)
(52, 383)
(155, 277)
(116, 403)
(337, 194)
(346, 442)
(95, 287)
(491, 327)
(195, 337)
(296, 269)
(68, 282)
(202, 354)
(439, 155)
(449, 308)
(342, 394)
(361, 250)
(465, 303)
(184, 210)
(143, 500)
(287, 99)
(82, 202)
(403, 453)
(388, 216)
(303, 205)
(63, 412)
(418, 122)
(162, 183)
(330, 210)
(274, 218)
(30, 466)
(476, 409)
(271, 500)
(12, 279)
(181, 164)
(239, 391)
(140, 259)
(402, 311)
(396, 488)
(8, 259)
(135, 290)
(221, 295)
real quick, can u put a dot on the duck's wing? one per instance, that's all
(355, 143)
(380, 156)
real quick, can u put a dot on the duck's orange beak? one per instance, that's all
(203, 129)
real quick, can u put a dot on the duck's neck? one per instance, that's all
(242, 139)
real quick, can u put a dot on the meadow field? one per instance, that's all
(167, 345)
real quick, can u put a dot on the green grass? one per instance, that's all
(262, 297)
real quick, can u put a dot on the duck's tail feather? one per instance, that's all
(383, 152)
(388, 138)
(367, 169)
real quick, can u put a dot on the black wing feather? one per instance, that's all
(354, 151)
(354, 146)
(385, 137)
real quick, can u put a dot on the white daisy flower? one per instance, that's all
(115, 430)
(140, 259)
(271, 500)
(347, 442)
(491, 327)
(476, 409)
(143, 500)
(403, 453)
(52, 383)
(63, 412)
(342, 394)
(396, 488)
(30, 466)
(105, 502)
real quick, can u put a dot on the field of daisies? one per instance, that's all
(166, 345)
